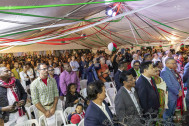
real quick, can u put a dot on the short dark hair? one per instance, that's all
(156, 63)
(145, 56)
(136, 61)
(145, 65)
(69, 86)
(79, 105)
(123, 76)
(94, 88)
(121, 64)
(39, 65)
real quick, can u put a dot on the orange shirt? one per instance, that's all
(104, 67)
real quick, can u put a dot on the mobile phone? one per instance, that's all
(15, 103)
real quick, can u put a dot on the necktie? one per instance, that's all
(153, 85)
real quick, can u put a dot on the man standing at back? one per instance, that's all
(44, 92)
(147, 90)
(174, 89)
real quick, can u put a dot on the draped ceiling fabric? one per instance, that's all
(163, 24)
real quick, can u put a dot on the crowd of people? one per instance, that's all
(149, 85)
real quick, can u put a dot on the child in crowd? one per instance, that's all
(72, 96)
(77, 116)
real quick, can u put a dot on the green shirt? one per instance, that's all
(42, 93)
(138, 72)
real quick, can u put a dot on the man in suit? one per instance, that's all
(174, 89)
(122, 67)
(147, 90)
(135, 71)
(97, 113)
(127, 102)
(186, 82)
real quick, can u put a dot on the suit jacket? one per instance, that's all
(132, 71)
(186, 75)
(149, 99)
(125, 106)
(172, 83)
(117, 80)
(94, 116)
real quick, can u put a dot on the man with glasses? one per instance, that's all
(174, 89)
(56, 77)
(44, 92)
(127, 102)
(135, 71)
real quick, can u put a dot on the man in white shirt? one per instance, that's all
(127, 102)
(168, 55)
(98, 112)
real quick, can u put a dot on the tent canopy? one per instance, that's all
(163, 24)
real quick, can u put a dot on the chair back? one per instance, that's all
(28, 123)
(68, 111)
(83, 84)
(81, 123)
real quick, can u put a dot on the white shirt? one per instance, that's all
(103, 108)
(57, 71)
(131, 93)
(23, 78)
(75, 64)
(155, 60)
(149, 79)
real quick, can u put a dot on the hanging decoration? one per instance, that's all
(112, 46)
(84, 36)
(182, 45)
(171, 46)
(58, 5)
(160, 46)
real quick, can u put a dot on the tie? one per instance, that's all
(153, 85)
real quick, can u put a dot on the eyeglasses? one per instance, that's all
(136, 65)
(6, 71)
(51, 70)
(44, 69)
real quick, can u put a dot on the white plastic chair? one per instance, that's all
(68, 111)
(59, 105)
(59, 114)
(111, 93)
(81, 123)
(83, 92)
(42, 119)
(35, 110)
(83, 84)
(28, 123)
